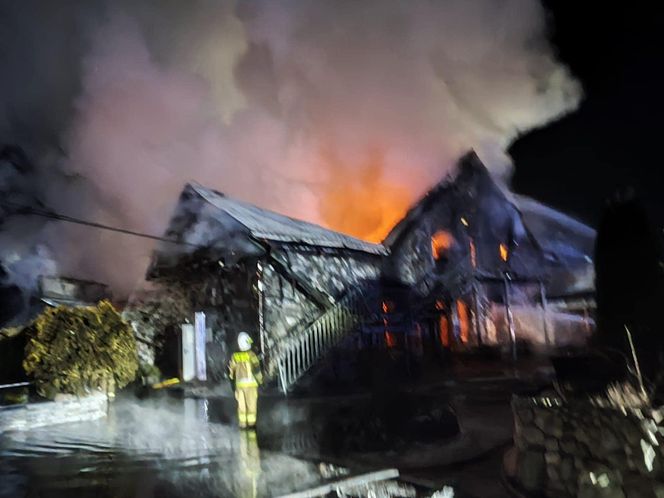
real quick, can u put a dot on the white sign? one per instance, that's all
(188, 353)
(199, 341)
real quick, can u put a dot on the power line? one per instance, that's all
(31, 211)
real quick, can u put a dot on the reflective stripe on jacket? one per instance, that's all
(244, 368)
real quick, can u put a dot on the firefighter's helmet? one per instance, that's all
(244, 341)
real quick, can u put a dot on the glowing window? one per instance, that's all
(503, 251)
(387, 306)
(441, 242)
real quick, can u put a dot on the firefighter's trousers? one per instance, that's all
(247, 405)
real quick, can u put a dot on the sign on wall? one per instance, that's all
(199, 343)
(188, 360)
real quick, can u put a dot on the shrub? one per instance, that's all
(77, 350)
(149, 374)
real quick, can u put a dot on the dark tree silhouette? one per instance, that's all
(629, 282)
(11, 298)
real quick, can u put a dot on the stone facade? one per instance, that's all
(234, 300)
(154, 315)
(227, 295)
(475, 218)
(284, 307)
(467, 236)
(259, 271)
(67, 410)
(332, 273)
(570, 450)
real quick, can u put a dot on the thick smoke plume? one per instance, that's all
(338, 112)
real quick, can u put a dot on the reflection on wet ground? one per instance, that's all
(163, 448)
(191, 448)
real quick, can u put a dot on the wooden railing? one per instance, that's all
(303, 348)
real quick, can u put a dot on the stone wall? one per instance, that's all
(227, 295)
(284, 307)
(154, 314)
(331, 272)
(569, 450)
(69, 409)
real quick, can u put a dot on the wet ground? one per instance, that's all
(162, 448)
(449, 434)
(153, 448)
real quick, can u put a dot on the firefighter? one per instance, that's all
(244, 371)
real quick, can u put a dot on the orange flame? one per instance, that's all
(504, 252)
(444, 331)
(387, 306)
(360, 201)
(390, 339)
(441, 242)
(462, 311)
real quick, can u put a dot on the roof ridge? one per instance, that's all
(272, 225)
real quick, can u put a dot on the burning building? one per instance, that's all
(470, 264)
(254, 270)
(485, 264)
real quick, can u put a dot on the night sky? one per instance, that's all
(615, 139)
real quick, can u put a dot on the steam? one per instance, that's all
(23, 255)
(271, 102)
(23, 264)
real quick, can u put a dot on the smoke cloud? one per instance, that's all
(313, 109)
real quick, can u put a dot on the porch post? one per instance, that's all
(261, 307)
(476, 313)
(544, 313)
(508, 314)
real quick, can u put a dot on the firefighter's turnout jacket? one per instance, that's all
(244, 370)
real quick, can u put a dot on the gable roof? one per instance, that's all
(264, 224)
(555, 231)
(470, 161)
(558, 233)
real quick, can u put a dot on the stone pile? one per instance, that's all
(578, 449)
